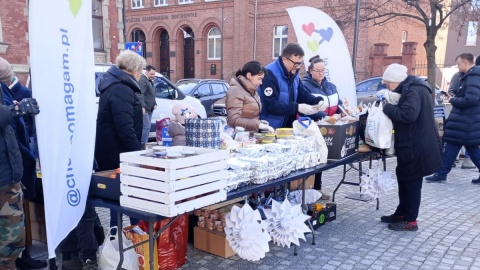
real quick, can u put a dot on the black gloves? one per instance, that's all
(25, 106)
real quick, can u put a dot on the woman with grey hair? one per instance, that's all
(120, 116)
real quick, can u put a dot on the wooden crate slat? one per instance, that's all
(172, 210)
(145, 183)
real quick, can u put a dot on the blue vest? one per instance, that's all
(284, 84)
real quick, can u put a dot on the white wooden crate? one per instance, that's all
(170, 187)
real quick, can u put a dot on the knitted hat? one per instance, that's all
(395, 73)
(182, 111)
(6, 72)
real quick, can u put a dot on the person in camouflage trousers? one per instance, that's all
(12, 225)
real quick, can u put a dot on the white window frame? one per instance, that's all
(181, 2)
(211, 0)
(157, 3)
(1, 32)
(404, 39)
(142, 4)
(472, 30)
(281, 36)
(213, 38)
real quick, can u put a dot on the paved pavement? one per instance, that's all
(448, 235)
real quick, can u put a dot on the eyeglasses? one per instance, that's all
(295, 64)
(318, 70)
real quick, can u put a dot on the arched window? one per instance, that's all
(214, 44)
(97, 25)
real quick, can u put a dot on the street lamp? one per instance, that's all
(221, 49)
(355, 37)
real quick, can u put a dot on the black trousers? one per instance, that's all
(409, 195)
(82, 239)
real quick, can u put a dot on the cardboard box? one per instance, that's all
(143, 251)
(213, 242)
(329, 213)
(342, 140)
(37, 222)
(297, 184)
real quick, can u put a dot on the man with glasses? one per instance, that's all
(282, 93)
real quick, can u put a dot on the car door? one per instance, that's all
(367, 90)
(218, 92)
(204, 94)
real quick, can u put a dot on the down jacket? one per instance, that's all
(119, 119)
(11, 168)
(463, 124)
(417, 144)
(243, 104)
(327, 90)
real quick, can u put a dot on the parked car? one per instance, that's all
(208, 91)
(166, 95)
(367, 90)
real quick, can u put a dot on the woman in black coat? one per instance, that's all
(120, 115)
(417, 144)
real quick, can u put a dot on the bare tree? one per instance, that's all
(433, 14)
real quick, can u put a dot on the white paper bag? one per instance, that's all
(109, 255)
(378, 132)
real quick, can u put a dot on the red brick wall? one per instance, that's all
(239, 35)
(14, 33)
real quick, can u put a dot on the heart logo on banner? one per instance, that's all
(308, 28)
(313, 45)
(326, 34)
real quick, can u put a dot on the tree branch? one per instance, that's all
(453, 9)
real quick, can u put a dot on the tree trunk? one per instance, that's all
(430, 48)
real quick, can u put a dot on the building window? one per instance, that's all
(97, 25)
(472, 34)
(137, 3)
(404, 39)
(214, 44)
(280, 34)
(185, 1)
(159, 3)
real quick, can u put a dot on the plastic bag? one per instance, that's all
(110, 256)
(378, 132)
(172, 243)
(304, 126)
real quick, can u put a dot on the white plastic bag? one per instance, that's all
(304, 126)
(378, 132)
(109, 255)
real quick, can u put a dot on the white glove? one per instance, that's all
(322, 106)
(266, 127)
(306, 109)
(264, 122)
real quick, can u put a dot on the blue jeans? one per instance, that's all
(146, 127)
(450, 154)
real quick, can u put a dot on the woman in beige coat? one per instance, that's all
(243, 103)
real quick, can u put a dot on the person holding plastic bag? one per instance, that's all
(417, 144)
(243, 102)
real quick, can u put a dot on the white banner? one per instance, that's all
(317, 33)
(63, 82)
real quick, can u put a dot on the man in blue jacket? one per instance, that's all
(282, 93)
(462, 127)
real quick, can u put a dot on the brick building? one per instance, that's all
(14, 47)
(184, 37)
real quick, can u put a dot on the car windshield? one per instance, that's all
(187, 87)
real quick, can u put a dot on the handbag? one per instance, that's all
(110, 256)
(203, 132)
(378, 132)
